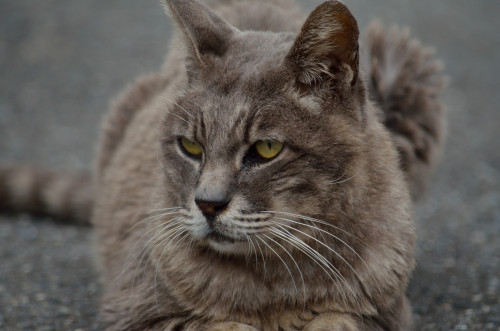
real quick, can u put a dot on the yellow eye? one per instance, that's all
(268, 148)
(191, 147)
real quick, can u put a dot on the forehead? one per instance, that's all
(246, 115)
(227, 117)
(246, 94)
(250, 56)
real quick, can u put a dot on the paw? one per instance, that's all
(332, 322)
(231, 326)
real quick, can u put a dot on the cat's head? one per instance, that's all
(263, 142)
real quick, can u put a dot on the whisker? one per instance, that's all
(316, 253)
(158, 236)
(131, 259)
(328, 247)
(339, 181)
(167, 234)
(166, 224)
(279, 257)
(179, 117)
(295, 262)
(162, 209)
(248, 254)
(315, 256)
(150, 218)
(147, 245)
(315, 220)
(251, 248)
(340, 240)
(255, 251)
(175, 103)
(161, 241)
(262, 254)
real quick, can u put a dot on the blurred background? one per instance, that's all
(62, 61)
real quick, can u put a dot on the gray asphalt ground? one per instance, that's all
(61, 61)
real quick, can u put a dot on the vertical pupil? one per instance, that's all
(269, 144)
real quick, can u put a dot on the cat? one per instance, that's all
(262, 180)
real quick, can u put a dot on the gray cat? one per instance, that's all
(252, 184)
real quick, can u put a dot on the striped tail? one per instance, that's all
(64, 196)
(406, 81)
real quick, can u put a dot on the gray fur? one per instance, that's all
(320, 237)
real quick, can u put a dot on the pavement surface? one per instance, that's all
(61, 62)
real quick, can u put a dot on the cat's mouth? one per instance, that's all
(219, 237)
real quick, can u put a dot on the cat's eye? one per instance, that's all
(262, 151)
(190, 147)
(268, 149)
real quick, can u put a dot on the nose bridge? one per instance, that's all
(213, 193)
(215, 182)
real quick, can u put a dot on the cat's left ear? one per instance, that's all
(327, 46)
(205, 31)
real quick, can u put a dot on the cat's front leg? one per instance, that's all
(230, 326)
(335, 321)
(197, 325)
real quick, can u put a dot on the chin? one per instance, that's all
(226, 245)
(240, 248)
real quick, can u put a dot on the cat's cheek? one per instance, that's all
(285, 203)
(180, 177)
(298, 198)
(196, 225)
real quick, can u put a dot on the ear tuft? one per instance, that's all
(327, 45)
(206, 32)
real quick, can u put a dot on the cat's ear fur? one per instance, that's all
(327, 46)
(205, 32)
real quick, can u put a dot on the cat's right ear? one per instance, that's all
(326, 48)
(205, 32)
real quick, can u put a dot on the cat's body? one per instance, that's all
(318, 236)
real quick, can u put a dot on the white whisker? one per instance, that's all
(293, 260)
(279, 257)
(315, 220)
(316, 257)
(151, 218)
(252, 248)
(175, 103)
(147, 246)
(262, 254)
(162, 209)
(157, 237)
(327, 247)
(179, 117)
(133, 258)
(161, 241)
(340, 181)
(312, 226)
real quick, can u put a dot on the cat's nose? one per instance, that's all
(211, 208)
